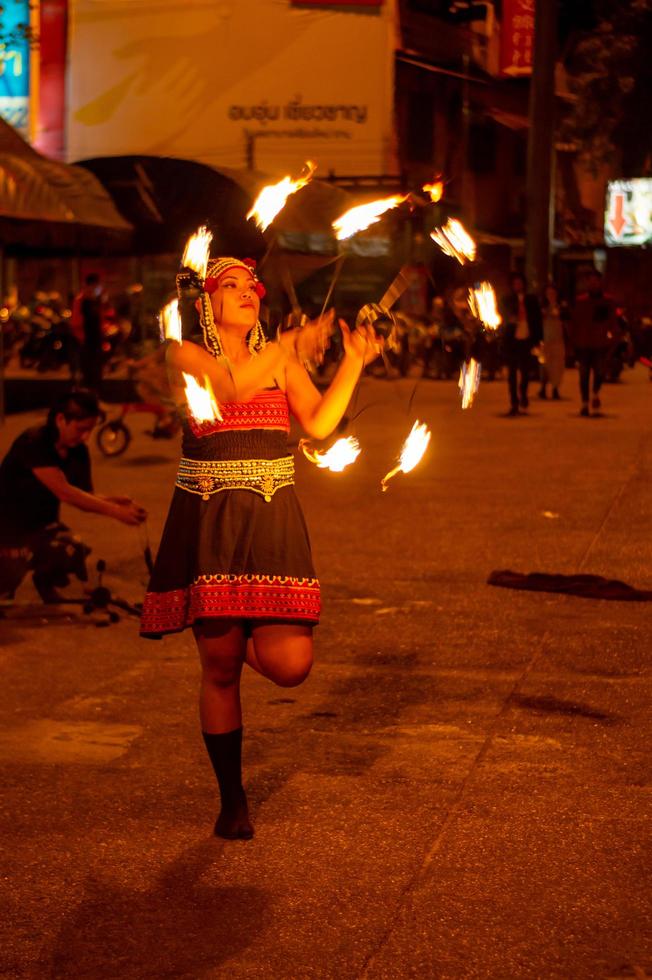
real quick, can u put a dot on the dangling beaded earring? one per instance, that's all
(211, 336)
(256, 340)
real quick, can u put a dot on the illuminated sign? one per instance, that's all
(628, 212)
(321, 91)
(516, 37)
(14, 65)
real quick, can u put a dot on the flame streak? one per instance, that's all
(201, 400)
(195, 254)
(360, 217)
(454, 240)
(170, 321)
(469, 381)
(482, 302)
(340, 455)
(413, 449)
(435, 190)
(273, 197)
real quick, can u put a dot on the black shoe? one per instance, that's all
(596, 404)
(556, 397)
(543, 395)
(233, 822)
(514, 410)
(525, 403)
(584, 411)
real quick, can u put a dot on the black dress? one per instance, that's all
(233, 553)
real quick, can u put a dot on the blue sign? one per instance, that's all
(14, 65)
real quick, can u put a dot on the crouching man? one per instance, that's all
(45, 466)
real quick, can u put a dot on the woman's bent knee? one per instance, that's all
(293, 672)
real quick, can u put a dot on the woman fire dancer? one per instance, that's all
(234, 561)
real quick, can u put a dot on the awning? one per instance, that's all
(48, 204)
(167, 198)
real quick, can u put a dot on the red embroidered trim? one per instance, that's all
(232, 597)
(266, 410)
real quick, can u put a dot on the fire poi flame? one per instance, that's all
(272, 198)
(413, 449)
(195, 254)
(201, 400)
(170, 321)
(482, 301)
(454, 240)
(434, 190)
(360, 217)
(340, 455)
(469, 381)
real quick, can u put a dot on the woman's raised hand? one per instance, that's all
(314, 337)
(362, 343)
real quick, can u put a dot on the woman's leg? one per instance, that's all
(282, 652)
(222, 645)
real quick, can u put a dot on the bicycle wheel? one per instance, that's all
(113, 438)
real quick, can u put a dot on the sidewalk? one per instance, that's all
(460, 790)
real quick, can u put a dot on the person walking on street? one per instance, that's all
(90, 317)
(553, 347)
(593, 330)
(522, 332)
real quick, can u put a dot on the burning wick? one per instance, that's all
(469, 381)
(201, 400)
(273, 197)
(454, 240)
(413, 449)
(195, 254)
(360, 217)
(482, 302)
(170, 322)
(341, 454)
(435, 190)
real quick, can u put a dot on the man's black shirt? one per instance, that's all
(26, 504)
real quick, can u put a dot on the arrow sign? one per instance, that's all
(617, 220)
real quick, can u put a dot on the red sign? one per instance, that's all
(52, 87)
(517, 37)
(336, 3)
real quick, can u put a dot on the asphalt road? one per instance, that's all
(461, 788)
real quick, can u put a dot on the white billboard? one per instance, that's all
(258, 83)
(628, 212)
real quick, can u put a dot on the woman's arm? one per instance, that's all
(226, 385)
(307, 343)
(320, 414)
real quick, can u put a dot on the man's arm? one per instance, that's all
(54, 479)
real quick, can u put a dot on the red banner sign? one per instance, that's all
(336, 3)
(52, 88)
(517, 37)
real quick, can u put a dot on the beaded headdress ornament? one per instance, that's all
(215, 270)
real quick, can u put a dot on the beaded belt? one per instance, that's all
(263, 476)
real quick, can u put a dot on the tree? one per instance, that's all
(610, 75)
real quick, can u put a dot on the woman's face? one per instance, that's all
(235, 301)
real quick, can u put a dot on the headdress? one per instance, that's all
(214, 271)
(217, 267)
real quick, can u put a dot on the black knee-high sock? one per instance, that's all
(225, 753)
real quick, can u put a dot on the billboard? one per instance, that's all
(233, 84)
(628, 212)
(517, 37)
(14, 65)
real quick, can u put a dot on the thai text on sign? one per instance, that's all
(517, 37)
